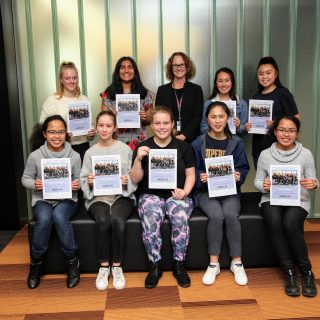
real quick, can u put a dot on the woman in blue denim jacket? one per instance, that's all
(224, 89)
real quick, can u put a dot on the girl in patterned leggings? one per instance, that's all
(155, 204)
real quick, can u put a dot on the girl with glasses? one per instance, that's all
(285, 223)
(52, 212)
(182, 97)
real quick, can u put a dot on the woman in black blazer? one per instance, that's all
(184, 98)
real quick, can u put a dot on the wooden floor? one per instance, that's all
(263, 298)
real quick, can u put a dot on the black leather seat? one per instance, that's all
(257, 251)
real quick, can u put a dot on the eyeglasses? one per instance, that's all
(288, 131)
(56, 133)
(179, 66)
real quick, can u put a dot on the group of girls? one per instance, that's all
(175, 122)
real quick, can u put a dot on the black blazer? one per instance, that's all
(191, 109)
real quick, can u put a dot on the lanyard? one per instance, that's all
(179, 103)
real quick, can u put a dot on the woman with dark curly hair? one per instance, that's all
(126, 80)
(184, 98)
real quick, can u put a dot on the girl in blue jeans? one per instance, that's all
(52, 212)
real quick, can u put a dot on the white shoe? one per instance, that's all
(240, 276)
(102, 280)
(119, 282)
(209, 277)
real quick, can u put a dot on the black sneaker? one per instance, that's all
(155, 273)
(291, 287)
(309, 288)
(180, 273)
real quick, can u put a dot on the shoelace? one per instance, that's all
(103, 272)
(117, 272)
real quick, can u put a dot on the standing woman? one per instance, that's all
(270, 88)
(52, 212)
(155, 204)
(111, 227)
(286, 223)
(183, 98)
(126, 80)
(67, 91)
(224, 89)
(219, 141)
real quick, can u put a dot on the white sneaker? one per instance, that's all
(209, 277)
(102, 280)
(240, 276)
(119, 282)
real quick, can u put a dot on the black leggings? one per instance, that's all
(286, 229)
(111, 224)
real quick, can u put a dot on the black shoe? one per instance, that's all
(291, 283)
(35, 272)
(73, 273)
(180, 273)
(309, 288)
(155, 273)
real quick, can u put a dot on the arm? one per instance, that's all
(147, 107)
(86, 177)
(261, 181)
(29, 177)
(204, 124)
(241, 163)
(200, 166)
(243, 116)
(130, 186)
(309, 181)
(136, 172)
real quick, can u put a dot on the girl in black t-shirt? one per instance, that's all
(155, 204)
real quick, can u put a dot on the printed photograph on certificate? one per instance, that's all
(221, 180)
(107, 171)
(79, 117)
(128, 107)
(284, 185)
(56, 178)
(162, 168)
(232, 106)
(259, 112)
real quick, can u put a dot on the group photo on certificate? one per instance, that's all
(128, 108)
(260, 112)
(79, 117)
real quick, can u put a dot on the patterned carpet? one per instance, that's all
(263, 298)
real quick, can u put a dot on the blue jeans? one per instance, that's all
(59, 215)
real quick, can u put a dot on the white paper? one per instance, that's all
(162, 168)
(232, 105)
(79, 117)
(107, 171)
(259, 112)
(56, 178)
(128, 107)
(284, 185)
(221, 180)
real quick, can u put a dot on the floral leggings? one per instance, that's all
(152, 210)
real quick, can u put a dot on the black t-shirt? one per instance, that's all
(185, 159)
(215, 148)
(283, 105)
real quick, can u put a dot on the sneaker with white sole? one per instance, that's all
(119, 282)
(102, 280)
(209, 277)
(240, 276)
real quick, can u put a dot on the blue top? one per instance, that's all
(242, 114)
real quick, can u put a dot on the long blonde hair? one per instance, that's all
(66, 65)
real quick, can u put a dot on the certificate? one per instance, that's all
(221, 180)
(284, 185)
(162, 168)
(107, 171)
(259, 112)
(128, 107)
(232, 105)
(79, 117)
(56, 178)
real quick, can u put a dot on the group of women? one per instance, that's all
(176, 122)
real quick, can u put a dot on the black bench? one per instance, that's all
(257, 251)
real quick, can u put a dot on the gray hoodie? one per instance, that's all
(32, 170)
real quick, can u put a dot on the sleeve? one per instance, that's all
(131, 187)
(45, 110)
(288, 104)
(159, 96)
(30, 173)
(189, 160)
(200, 168)
(106, 102)
(192, 128)
(85, 170)
(261, 174)
(310, 169)
(204, 123)
(76, 166)
(148, 101)
(241, 163)
(243, 115)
